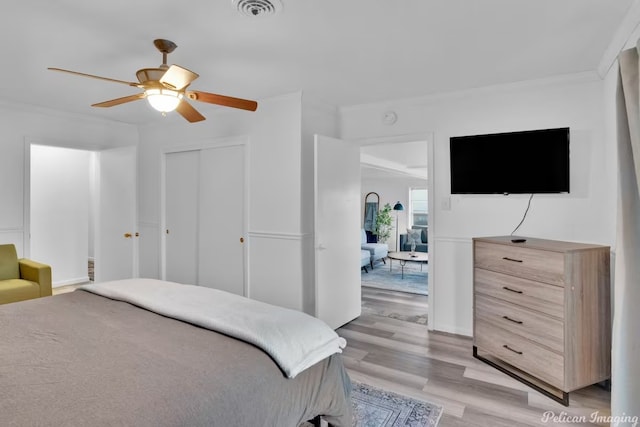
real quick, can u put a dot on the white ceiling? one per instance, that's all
(343, 52)
(394, 160)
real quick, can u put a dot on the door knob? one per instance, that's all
(128, 235)
(242, 240)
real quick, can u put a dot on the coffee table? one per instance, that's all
(406, 256)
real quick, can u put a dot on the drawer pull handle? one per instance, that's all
(506, 258)
(509, 348)
(511, 290)
(519, 322)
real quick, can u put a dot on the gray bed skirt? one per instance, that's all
(82, 359)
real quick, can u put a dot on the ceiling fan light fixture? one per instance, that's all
(163, 100)
(165, 87)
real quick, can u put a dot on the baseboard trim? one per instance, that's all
(75, 281)
(448, 329)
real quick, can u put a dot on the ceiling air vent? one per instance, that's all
(258, 8)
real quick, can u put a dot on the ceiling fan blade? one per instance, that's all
(187, 111)
(94, 77)
(178, 77)
(227, 101)
(119, 101)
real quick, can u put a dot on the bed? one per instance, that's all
(83, 358)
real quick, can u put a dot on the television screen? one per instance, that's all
(534, 161)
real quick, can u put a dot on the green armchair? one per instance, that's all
(22, 279)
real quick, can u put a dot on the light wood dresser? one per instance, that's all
(542, 312)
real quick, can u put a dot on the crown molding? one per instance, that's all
(47, 111)
(627, 28)
(562, 79)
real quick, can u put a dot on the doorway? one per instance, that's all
(399, 170)
(62, 192)
(80, 209)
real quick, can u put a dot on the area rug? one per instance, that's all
(414, 281)
(374, 407)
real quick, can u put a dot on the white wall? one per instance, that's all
(93, 203)
(587, 214)
(275, 236)
(60, 200)
(19, 123)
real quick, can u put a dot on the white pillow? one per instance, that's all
(414, 236)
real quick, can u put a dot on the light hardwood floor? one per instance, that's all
(65, 289)
(389, 346)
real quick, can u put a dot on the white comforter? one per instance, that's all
(294, 340)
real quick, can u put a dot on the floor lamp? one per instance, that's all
(397, 207)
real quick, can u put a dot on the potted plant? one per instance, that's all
(383, 223)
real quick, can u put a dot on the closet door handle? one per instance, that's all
(519, 322)
(511, 290)
(506, 258)
(509, 348)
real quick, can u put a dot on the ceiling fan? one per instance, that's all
(165, 88)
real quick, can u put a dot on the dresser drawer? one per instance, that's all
(533, 264)
(542, 329)
(538, 296)
(520, 352)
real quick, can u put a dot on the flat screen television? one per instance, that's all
(535, 161)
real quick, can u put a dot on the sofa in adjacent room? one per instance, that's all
(378, 251)
(365, 260)
(420, 236)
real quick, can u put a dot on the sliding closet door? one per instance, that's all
(221, 214)
(205, 217)
(181, 201)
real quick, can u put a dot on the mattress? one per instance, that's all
(83, 359)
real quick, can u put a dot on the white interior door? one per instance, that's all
(116, 243)
(205, 217)
(181, 207)
(221, 213)
(337, 230)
